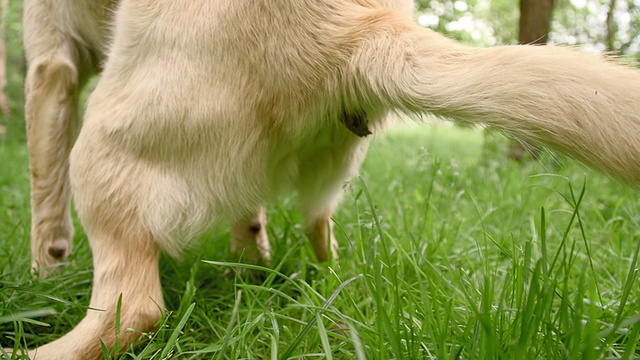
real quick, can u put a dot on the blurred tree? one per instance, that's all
(505, 15)
(612, 27)
(474, 22)
(465, 21)
(622, 15)
(592, 24)
(14, 67)
(598, 25)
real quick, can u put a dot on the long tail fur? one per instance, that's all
(577, 103)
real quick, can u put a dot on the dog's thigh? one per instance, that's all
(322, 180)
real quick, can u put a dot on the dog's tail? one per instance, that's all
(577, 103)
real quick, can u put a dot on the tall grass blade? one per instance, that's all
(294, 344)
(232, 323)
(173, 339)
(27, 316)
(116, 347)
(105, 350)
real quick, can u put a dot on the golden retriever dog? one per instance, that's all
(208, 109)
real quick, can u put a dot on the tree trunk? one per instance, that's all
(611, 27)
(535, 24)
(535, 21)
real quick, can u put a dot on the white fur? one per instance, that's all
(209, 109)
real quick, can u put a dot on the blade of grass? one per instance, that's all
(171, 343)
(27, 316)
(289, 351)
(116, 347)
(385, 322)
(324, 339)
(105, 350)
(232, 323)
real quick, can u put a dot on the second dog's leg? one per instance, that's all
(52, 120)
(249, 238)
(320, 232)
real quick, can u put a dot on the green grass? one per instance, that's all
(447, 252)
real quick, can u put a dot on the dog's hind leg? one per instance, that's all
(57, 68)
(249, 238)
(320, 232)
(322, 180)
(52, 120)
(126, 266)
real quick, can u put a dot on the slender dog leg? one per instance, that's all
(249, 238)
(323, 176)
(52, 120)
(52, 84)
(320, 233)
(62, 43)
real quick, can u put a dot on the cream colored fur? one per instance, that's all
(209, 109)
(65, 44)
(65, 41)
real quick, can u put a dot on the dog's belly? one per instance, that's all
(186, 170)
(233, 182)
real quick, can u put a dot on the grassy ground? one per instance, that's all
(447, 251)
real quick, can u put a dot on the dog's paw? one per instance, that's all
(49, 257)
